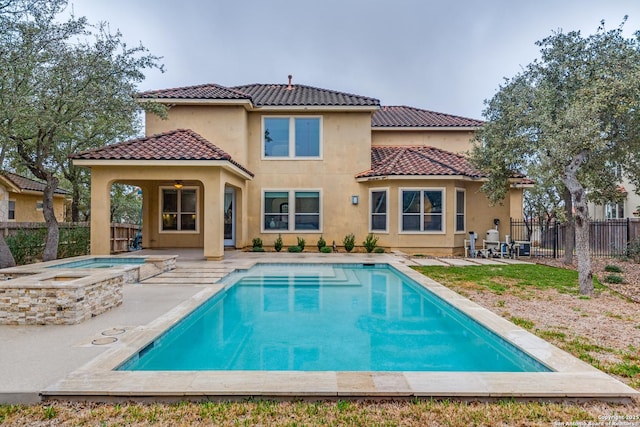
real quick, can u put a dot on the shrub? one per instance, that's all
(379, 250)
(258, 249)
(633, 250)
(349, 242)
(301, 243)
(613, 269)
(370, 243)
(321, 243)
(277, 245)
(294, 249)
(613, 278)
(27, 245)
(257, 242)
(326, 250)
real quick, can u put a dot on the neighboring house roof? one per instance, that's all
(410, 117)
(180, 144)
(418, 161)
(262, 95)
(22, 183)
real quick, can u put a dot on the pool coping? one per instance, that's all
(572, 378)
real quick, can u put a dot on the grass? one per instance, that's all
(417, 412)
(520, 280)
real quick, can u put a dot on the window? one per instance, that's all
(378, 210)
(304, 214)
(39, 205)
(422, 210)
(291, 137)
(460, 206)
(179, 209)
(614, 210)
(12, 210)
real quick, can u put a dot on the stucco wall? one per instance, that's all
(223, 126)
(449, 140)
(26, 210)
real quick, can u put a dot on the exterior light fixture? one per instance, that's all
(355, 200)
(178, 184)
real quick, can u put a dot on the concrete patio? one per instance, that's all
(77, 361)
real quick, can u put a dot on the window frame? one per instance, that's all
(292, 137)
(421, 190)
(179, 211)
(464, 211)
(614, 210)
(371, 213)
(291, 210)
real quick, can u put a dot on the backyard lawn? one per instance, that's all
(603, 330)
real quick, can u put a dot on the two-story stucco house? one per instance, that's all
(230, 164)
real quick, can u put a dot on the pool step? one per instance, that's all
(184, 275)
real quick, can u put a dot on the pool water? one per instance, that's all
(101, 263)
(329, 318)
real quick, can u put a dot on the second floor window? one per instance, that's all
(291, 137)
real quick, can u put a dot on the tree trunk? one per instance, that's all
(53, 235)
(6, 257)
(75, 202)
(570, 231)
(585, 276)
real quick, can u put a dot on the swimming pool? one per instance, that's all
(318, 317)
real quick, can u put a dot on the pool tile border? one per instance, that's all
(572, 379)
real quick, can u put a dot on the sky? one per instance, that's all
(445, 56)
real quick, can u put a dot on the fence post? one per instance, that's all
(555, 239)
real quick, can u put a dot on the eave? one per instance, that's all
(225, 164)
(424, 128)
(420, 177)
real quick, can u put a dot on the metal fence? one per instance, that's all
(607, 238)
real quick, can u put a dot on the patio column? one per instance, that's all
(213, 216)
(100, 212)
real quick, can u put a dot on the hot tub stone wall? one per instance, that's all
(58, 305)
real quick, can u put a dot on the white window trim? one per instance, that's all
(160, 200)
(386, 225)
(292, 138)
(464, 211)
(291, 214)
(421, 190)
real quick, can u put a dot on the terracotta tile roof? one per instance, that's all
(180, 144)
(205, 91)
(418, 161)
(28, 184)
(300, 95)
(401, 116)
(265, 95)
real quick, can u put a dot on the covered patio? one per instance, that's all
(194, 194)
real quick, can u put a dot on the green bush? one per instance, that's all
(301, 243)
(294, 249)
(614, 278)
(258, 249)
(256, 242)
(349, 242)
(370, 243)
(277, 245)
(633, 250)
(321, 243)
(27, 245)
(326, 250)
(613, 269)
(379, 250)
